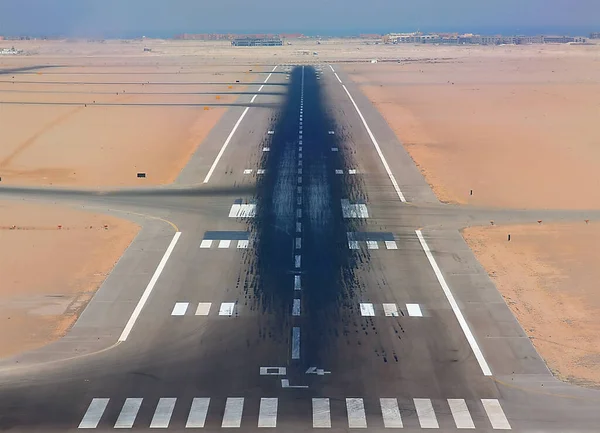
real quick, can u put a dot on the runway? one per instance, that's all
(299, 275)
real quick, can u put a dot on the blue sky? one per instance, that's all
(114, 18)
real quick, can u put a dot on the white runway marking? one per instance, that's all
(230, 136)
(331, 132)
(243, 244)
(296, 307)
(298, 243)
(224, 243)
(297, 261)
(495, 414)
(296, 343)
(273, 371)
(203, 308)
(180, 308)
(266, 149)
(321, 413)
(260, 171)
(267, 415)
(356, 413)
(248, 171)
(242, 211)
(390, 412)
(163, 413)
(270, 132)
(298, 213)
(460, 413)
(391, 245)
(352, 171)
(206, 243)
(377, 148)
(367, 309)
(198, 412)
(297, 282)
(372, 245)
(234, 407)
(354, 210)
(414, 310)
(459, 316)
(128, 413)
(149, 288)
(94, 412)
(332, 70)
(227, 309)
(390, 310)
(425, 413)
(353, 245)
(334, 149)
(338, 77)
(298, 227)
(339, 172)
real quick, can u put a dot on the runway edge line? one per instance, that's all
(485, 368)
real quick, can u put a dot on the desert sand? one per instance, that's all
(518, 126)
(551, 290)
(70, 263)
(84, 144)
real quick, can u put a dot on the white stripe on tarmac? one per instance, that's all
(367, 309)
(267, 415)
(296, 307)
(180, 308)
(162, 415)
(224, 243)
(391, 245)
(298, 261)
(495, 414)
(390, 310)
(227, 309)
(321, 413)
(232, 418)
(425, 413)
(128, 413)
(414, 310)
(94, 413)
(298, 243)
(230, 136)
(149, 288)
(198, 412)
(332, 70)
(296, 342)
(206, 243)
(377, 148)
(356, 413)
(460, 413)
(297, 282)
(337, 76)
(459, 316)
(372, 245)
(390, 412)
(203, 308)
(353, 245)
(243, 244)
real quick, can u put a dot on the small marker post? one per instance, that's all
(509, 236)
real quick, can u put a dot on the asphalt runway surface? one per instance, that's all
(299, 275)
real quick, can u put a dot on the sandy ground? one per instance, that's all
(70, 263)
(90, 145)
(551, 290)
(518, 126)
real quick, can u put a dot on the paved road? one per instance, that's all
(300, 274)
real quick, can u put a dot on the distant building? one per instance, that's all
(552, 39)
(257, 42)
(595, 35)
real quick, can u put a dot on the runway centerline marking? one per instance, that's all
(455, 308)
(149, 288)
(230, 136)
(377, 148)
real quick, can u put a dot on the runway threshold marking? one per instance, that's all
(377, 148)
(455, 308)
(149, 288)
(230, 136)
